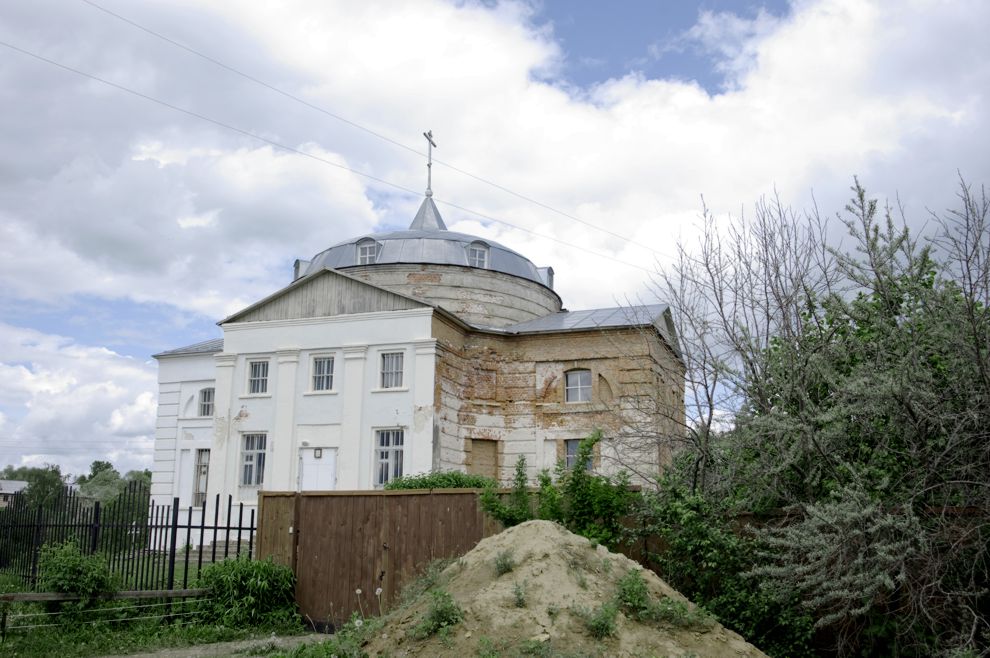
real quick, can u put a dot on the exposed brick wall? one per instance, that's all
(511, 389)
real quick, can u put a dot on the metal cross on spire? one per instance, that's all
(429, 161)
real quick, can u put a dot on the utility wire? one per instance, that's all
(354, 124)
(312, 156)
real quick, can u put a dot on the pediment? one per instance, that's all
(325, 293)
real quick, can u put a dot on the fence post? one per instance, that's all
(36, 546)
(173, 538)
(94, 537)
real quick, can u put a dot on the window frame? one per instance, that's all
(391, 379)
(474, 250)
(389, 457)
(580, 389)
(206, 406)
(364, 256)
(258, 458)
(201, 474)
(262, 380)
(570, 459)
(326, 377)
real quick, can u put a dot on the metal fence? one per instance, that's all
(146, 545)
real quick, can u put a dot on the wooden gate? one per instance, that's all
(344, 546)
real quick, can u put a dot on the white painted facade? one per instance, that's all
(301, 426)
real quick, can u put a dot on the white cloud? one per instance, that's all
(66, 403)
(110, 196)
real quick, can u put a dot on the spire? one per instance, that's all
(428, 217)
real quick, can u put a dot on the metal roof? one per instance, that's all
(206, 347)
(598, 318)
(426, 241)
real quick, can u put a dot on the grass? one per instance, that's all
(86, 640)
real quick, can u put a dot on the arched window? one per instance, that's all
(477, 255)
(577, 386)
(367, 252)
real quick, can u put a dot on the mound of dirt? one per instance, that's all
(542, 607)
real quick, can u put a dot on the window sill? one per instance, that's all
(318, 393)
(397, 389)
(245, 396)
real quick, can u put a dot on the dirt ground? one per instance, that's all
(560, 575)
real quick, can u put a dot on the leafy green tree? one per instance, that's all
(45, 484)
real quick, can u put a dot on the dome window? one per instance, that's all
(477, 255)
(367, 252)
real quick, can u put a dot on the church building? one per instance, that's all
(407, 352)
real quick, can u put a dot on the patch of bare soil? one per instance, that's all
(541, 606)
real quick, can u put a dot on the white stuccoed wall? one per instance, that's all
(344, 419)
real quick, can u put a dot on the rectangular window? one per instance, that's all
(257, 377)
(206, 402)
(253, 460)
(367, 253)
(577, 386)
(571, 447)
(388, 447)
(392, 370)
(477, 257)
(323, 373)
(201, 477)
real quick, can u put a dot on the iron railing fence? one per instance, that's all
(146, 545)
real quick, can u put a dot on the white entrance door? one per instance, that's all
(317, 469)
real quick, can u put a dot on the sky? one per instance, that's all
(164, 162)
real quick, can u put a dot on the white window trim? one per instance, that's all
(484, 249)
(312, 375)
(264, 467)
(361, 256)
(376, 461)
(403, 373)
(578, 388)
(247, 379)
(200, 403)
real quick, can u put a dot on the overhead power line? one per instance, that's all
(306, 154)
(361, 127)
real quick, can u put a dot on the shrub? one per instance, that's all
(443, 613)
(504, 563)
(634, 597)
(246, 593)
(519, 594)
(517, 509)
(64, 568)
(600, 622)
(441, 480)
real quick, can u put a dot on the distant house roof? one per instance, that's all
(12, 486)
(211, 346)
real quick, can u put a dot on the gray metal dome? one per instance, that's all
(426, 242)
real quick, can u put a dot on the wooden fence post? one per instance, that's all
(94, 536)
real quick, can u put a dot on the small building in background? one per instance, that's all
(8, 488)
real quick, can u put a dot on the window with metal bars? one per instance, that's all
(392, 370)
(253, 460)
(206, 402)
(257, 377)
(323, 373)
(201, 477)
(388, 449)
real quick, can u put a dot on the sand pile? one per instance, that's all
(542, 606)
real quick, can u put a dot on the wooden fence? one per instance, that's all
(344, 546)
